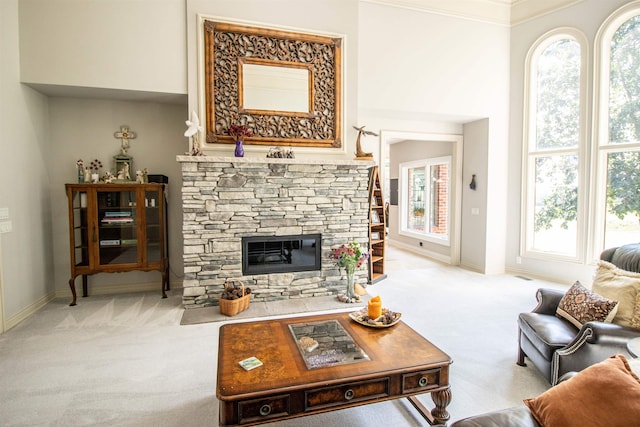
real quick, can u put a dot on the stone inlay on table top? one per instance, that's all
(335, 345)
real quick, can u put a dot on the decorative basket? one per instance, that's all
(231, 307)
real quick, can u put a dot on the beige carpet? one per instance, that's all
(306, 306)
(125, 361)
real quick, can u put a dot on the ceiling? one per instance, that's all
(503, 12)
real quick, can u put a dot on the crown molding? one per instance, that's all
(525, 10)
(493, 11)
(501, 12)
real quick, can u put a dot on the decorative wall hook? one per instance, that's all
(472, 185)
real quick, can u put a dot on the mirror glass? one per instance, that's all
(275, 88)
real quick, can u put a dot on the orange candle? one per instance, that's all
(375, 308)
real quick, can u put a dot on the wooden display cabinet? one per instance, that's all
(117, 228)
(377, 228)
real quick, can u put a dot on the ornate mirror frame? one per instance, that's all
(228, 46)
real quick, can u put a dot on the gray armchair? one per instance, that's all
(555, 346)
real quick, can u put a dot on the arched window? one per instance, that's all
(553, 161)
(617, 130)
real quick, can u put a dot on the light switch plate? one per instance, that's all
(4, 213)
(5, 226)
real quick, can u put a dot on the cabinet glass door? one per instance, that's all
(80, 228)
(117, 227)
(154, 225)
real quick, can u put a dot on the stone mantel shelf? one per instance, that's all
(265, 160)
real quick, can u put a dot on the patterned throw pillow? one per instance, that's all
(580, 305)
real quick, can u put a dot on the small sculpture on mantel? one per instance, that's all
(361, 155)
(124, 174)
(108, 177)
(80, 168)
(192, 131)
(142, 177)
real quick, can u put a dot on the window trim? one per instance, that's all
(600, 146)
(403, 198)
(529, 154)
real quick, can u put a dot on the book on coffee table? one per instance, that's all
(250, 363)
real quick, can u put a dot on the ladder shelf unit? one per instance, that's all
(377, 228)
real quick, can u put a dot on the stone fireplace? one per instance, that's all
(226, 199)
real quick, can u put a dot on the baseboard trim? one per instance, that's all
(28, 311)
(423, 252)
(474, 268)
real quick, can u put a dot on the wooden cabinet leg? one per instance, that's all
(72, 285)
(165, 283)
(85, 288)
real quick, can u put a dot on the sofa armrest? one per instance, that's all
(604, 333)
(607, 254)
(626, 257)
(594, 342)
(548, 300)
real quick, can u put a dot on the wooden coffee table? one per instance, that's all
(381, 364)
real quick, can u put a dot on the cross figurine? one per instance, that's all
(124, 135)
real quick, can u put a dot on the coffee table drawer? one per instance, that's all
(263, 409)
(421, 381)
(346, 393)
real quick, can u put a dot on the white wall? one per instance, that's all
(26, 264)
(421, 63)
(586, 16)
(137, 45)
(327, 16)
(431, 73)
(83, 129)
(474, 245)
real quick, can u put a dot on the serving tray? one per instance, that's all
(362, 317)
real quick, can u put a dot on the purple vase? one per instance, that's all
(239, 149)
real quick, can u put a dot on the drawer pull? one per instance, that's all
(349, 394)
(265, 410)
(423, 381)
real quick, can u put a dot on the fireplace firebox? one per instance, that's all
(281, 254)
